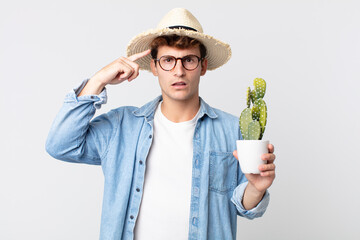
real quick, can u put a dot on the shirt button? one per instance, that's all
(195, 221)
(141, 162)
(150, 136)
(132, 217)
(92, 97)
(138, 189)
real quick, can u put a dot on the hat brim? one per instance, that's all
(218, 52)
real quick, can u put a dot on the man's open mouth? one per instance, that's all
(179, 84)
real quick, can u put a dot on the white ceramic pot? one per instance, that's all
(249, 154)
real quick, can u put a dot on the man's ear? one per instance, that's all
(153, 67)
(204, 64)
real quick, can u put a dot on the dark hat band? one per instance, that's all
(183, 27)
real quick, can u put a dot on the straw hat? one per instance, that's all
(180, 21)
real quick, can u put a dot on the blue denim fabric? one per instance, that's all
(120, 140)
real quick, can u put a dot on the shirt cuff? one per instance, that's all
(97, 100)
(257, 211)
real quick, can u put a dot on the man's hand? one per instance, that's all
(258, 183)
(116, 72)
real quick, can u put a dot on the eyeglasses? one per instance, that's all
(189, 62)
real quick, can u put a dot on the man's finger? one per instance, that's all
(270, 157)
(126, 72)
(235, 154)
(267, 167)
(134, 65)
(139, 55)
(268, 174)
(133, 76)
(271, 148)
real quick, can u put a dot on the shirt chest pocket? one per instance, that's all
(223, 170)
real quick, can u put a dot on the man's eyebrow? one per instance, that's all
(179, 57)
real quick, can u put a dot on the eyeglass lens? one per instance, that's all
(189, 62)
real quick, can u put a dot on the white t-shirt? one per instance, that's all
(165, 206)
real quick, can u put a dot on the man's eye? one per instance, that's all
(189, 59)
(168, 59)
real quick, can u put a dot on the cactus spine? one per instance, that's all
(253, 120)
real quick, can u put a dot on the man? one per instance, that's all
(193, 187)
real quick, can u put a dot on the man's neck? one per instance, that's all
(180, 111)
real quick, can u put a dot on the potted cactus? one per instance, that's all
(252, 126)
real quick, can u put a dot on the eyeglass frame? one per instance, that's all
(200, 59)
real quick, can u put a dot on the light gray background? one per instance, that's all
(307, 51)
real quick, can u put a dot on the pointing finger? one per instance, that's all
(139, 55)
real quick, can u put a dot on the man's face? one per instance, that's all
(179, 84)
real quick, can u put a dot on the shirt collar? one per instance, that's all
(148, 109)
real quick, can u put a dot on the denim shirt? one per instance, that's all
(120, 140)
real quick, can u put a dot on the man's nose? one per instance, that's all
(179, 69)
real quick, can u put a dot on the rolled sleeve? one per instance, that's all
(255, 212)
(73, 137)
(97, 100)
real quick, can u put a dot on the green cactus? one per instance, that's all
(245, 119)
(253, 120)
(248, 97)
(255, 111)
(260, 87)
(252, 96)
(254, 130)
(261, 105)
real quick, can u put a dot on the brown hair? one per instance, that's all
(177, 41)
